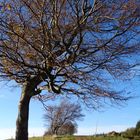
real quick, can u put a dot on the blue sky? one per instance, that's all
(108, 119)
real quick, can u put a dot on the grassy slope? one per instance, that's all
(78, 138)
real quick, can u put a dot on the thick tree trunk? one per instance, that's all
(23, 115)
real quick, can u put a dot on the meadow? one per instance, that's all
(79, 138)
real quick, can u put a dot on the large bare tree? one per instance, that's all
(66, 47)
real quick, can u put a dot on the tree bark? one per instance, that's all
(23, 115)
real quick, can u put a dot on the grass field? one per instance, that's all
(78, 138)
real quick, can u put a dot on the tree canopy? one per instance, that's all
(66, 46)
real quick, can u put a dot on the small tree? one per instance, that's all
(62, 119)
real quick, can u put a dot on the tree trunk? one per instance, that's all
(23, 115)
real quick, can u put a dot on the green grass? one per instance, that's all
(78, 138)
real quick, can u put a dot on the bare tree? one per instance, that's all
(62, 116)
(66, 46)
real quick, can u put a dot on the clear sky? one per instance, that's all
(110, 118)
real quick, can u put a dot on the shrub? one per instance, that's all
(129, 133)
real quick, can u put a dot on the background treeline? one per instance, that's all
(132, 133)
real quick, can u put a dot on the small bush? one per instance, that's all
(129, 133)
